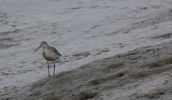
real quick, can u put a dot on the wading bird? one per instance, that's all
(50, 54)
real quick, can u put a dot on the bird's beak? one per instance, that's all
(37, 48)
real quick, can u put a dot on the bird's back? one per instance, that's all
(55, 51)
(51, 54)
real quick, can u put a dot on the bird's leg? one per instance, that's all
(48, 69)
(54, 68)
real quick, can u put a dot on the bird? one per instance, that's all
(50, 54)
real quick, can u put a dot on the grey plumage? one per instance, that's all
(49, 53)
(55, 50)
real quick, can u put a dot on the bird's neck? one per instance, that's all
(45, 47)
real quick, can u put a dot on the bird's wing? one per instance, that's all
(56, 51)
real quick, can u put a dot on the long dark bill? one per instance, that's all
(37, 48)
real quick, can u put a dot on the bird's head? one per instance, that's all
(43, 45)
